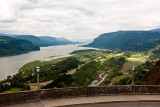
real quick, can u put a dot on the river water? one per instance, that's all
(10, 65)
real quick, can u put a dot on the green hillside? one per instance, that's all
(11, 46)
(127, 40)
(42, 41)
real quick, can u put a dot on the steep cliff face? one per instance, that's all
(153, 76)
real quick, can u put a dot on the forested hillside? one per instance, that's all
(127, 40)
(11, 46)
(42, 41)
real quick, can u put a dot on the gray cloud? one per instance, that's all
(77, 18)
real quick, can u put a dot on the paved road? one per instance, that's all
(96, 82)
(102, 76)
(98, 101)
(110, 83)
(74, 70)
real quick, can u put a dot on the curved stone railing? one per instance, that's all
(26, 96)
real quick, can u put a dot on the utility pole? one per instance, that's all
(38, 69)
(133, 67)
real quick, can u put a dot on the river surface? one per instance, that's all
(10, 65)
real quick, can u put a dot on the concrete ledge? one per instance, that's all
(93, 101)
(27, 96)
(118, 103)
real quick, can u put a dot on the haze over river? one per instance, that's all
(10, 65)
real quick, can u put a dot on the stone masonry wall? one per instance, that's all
(11, 98)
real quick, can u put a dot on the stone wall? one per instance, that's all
(26, 96)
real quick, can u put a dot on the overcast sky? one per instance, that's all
(77, 19)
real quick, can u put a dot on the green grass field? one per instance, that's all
(110, 56)
(85, 57)
(137, 57)
(13, 90)
(118, 78)
(34, 64)
(128, 65)
(133, 60)
(82, 58)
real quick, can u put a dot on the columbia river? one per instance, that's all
(11, 64)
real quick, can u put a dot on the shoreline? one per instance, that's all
(9, 64)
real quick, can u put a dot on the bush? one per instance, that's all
(107, 80)
(124, 81)
(82, 77)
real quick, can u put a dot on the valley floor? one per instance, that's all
(89, 68)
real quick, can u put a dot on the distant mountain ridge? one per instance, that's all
(12, 46)
(41, 41)
(62, 39)
(81, 40)
(127, 40)
(156, 30)
(35, 40)
(51, 40)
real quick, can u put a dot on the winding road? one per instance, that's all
(95, 83)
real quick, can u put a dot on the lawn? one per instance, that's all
(133, 60)
(110, 56)
(82, 58)
(13, 90)
(137, 57)
(128, 65)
